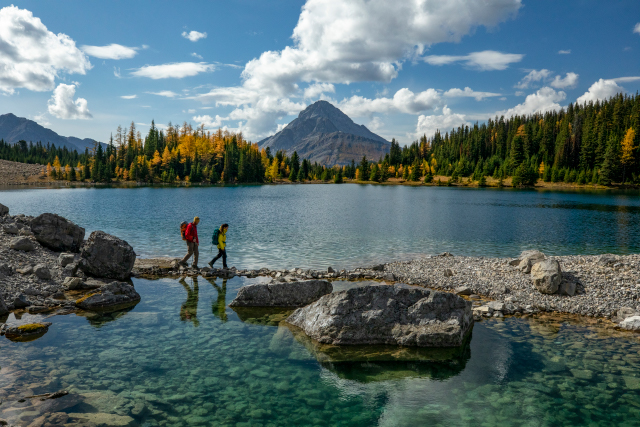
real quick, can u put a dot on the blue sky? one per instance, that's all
(402, 68)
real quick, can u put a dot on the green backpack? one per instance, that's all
(214, 238)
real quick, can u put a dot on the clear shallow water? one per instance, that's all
(181, 357)
(314, 226)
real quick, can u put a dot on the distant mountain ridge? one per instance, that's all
(14, 129)
(324, 134)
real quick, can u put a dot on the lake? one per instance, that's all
(182, 357)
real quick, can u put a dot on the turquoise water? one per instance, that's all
(314, 226)
(182, 358)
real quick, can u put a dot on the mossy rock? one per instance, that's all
(28, 332)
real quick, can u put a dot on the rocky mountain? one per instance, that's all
(14, 129)
(324, 134)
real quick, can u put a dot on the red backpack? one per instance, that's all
(183, 229)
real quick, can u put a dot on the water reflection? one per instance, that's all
(189, 308)
(219, 306)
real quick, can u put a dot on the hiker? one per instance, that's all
(221, 243)
(191, 236)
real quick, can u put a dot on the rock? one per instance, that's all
(65, 259)
(28, 269)
(448, 272)
(104, 255)
(446, 254)
(3, 307)
(57, 233)
(42, 272)
(281, 294)
(73, 283)
(623, 313)
(463, 290)
(25, 232)
(391, 315)
(379, 267)
(630, 323)
(495, 305)
(608, 259)
(22, 244)
(546, 276)
(112, 296)
(514, 262)
(528, 259)
(389, 277)
(34, 309)
(26, 331)
(102, 419)
(3, 210)
(330, 270)
(10, 228)
(20, 301)
(567, 288)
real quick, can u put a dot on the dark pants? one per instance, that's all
(221, 253)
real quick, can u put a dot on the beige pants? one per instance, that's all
(192, 250)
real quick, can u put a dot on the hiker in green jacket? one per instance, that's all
(222, 245)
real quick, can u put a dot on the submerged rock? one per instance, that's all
(115, 295)
(281, 294)
(547, 276)
(390, 315)
(57, 233)
(104, 255)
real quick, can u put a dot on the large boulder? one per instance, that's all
(388, 315)
(57, 233)
(528, 259)
(104, 255)
(3, 210)
(3, 307)
(281, 294)
(630, 323)
(547, 276)
(115, 295)
(22, 244)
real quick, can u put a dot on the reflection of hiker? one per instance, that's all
(220, 240)
(189, 309)
(218, 307)
(191, 236)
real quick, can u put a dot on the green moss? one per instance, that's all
(31, 327)
(79, 301)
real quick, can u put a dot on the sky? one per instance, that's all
(403, 69)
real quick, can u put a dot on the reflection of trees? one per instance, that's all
(189, 309)
(218, 307)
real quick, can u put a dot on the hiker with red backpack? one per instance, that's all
(190, 234)
(219, 239)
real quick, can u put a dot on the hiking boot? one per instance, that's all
(195, 267)
(182, 263)
(210, 264)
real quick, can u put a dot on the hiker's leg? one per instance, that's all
(196, 252)
(224, 258)
(217, 257)
(189, 252)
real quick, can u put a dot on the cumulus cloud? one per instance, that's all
(129, 96)
(404, 101)
(533, 76)
(112, 51)
(636, 29)
(601, 90)
(569, 81)
(375, 124)
(564, 52)
(194, 36)
(317, 89)
(545, 99)
(210, 122)
(176, 70)
(62, 105)
(165, 93)
(485, 60)
(31, 56)
(428, 125)
(467, 92)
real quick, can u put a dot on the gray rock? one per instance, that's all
(378, 267)
(15, 331)
(21, 301)
(630, 323)
(567, 288)
(448, 272)
(389, 277)
(463, 290)
(546, 276)
(10, 228)
(624, 313)
(22, 244)
(73, 283)
(608, 259)
(3, 210)
(104, 255)
(330, 270)
(111, 296)
(281, 294)
(528, 259)
(382, 314)
(65, 259)
(446, 254)
(495, 305)
(25, 232)
(3, 307)
(42, 272)
(57, 233)
(28, 269)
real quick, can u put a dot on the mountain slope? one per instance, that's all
(324, 134)
(14, 129)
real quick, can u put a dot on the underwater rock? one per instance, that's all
(103, 419)
(281, 294)
(390, 315)
(57, 233)
(104, 255)
(547, 276)
(112, 296)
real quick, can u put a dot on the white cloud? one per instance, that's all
(544, 100)
(533, 76)
(165, 93)
(31, 56)
(467, 92)
(112, 51)
(194, 36)
(564, 52)
(116, 71)
(317, 89)
(195, 55)
(636, 29)
(601, 90)
(404, 101)
(428, 125)
(42, 119)
(176, 70)
(485, 60)
(375, 124)
(210, 122)
(629, 79)
(129, 96)
(569, 81)
(62, 105)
